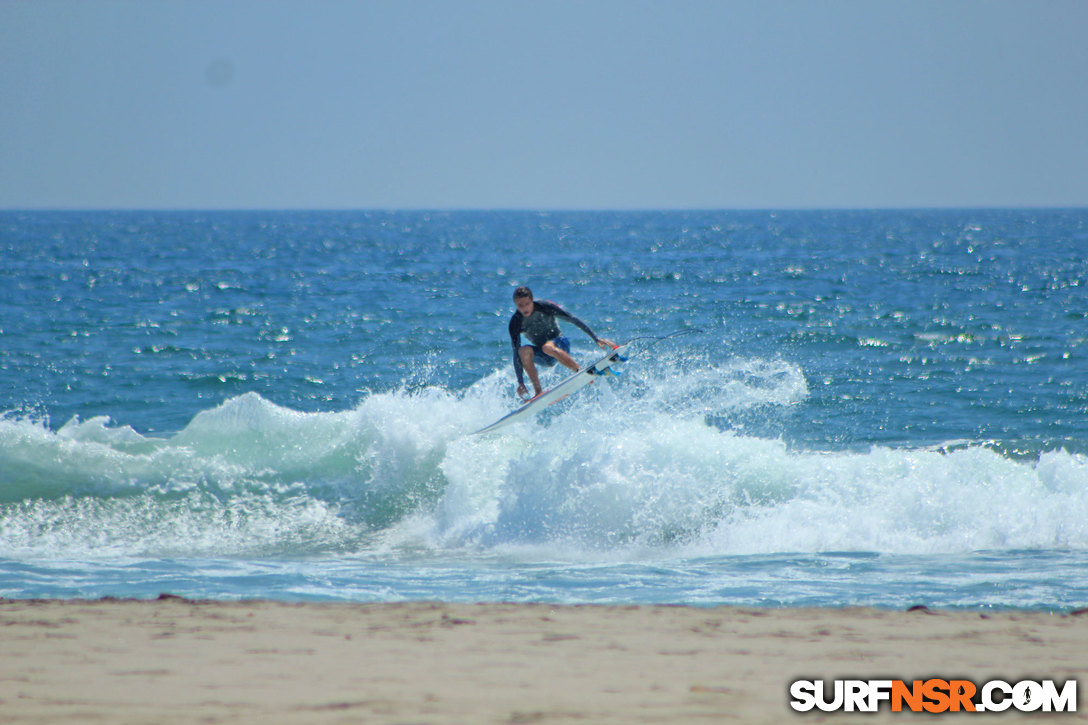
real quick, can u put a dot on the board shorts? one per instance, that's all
(542, 358)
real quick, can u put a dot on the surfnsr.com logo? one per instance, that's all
(933, 696)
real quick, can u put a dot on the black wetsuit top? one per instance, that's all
(540, 327)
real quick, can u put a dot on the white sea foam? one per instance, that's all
(623, 468)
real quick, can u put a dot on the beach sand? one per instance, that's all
(178, 661)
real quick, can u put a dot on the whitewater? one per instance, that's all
(724, 466)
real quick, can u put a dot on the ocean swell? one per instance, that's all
(642, 466)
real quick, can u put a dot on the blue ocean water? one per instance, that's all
(867, 407)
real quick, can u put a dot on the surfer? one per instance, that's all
(536, 319)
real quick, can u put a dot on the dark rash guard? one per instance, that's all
(540, 327)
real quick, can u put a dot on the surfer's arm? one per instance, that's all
(518, 370)
(564, 315)
(515, 342)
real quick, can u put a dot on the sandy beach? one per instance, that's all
(176, 661)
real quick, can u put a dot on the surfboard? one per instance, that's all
(586, 376)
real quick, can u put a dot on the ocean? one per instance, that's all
(883, 408)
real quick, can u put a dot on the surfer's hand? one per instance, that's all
(523, 391)
(606, 344)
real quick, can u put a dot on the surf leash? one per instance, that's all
(661, 338)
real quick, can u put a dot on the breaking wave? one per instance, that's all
(643, 466)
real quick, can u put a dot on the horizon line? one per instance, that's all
(538, 210)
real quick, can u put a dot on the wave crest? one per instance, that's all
(645, 464)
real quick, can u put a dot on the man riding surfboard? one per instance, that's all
(537, 320)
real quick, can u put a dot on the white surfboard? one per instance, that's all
(577, 381)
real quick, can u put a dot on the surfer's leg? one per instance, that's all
(560, 354)
(527, 362)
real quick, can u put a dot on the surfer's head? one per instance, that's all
(523, 299)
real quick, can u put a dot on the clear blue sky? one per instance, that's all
(585, 104)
